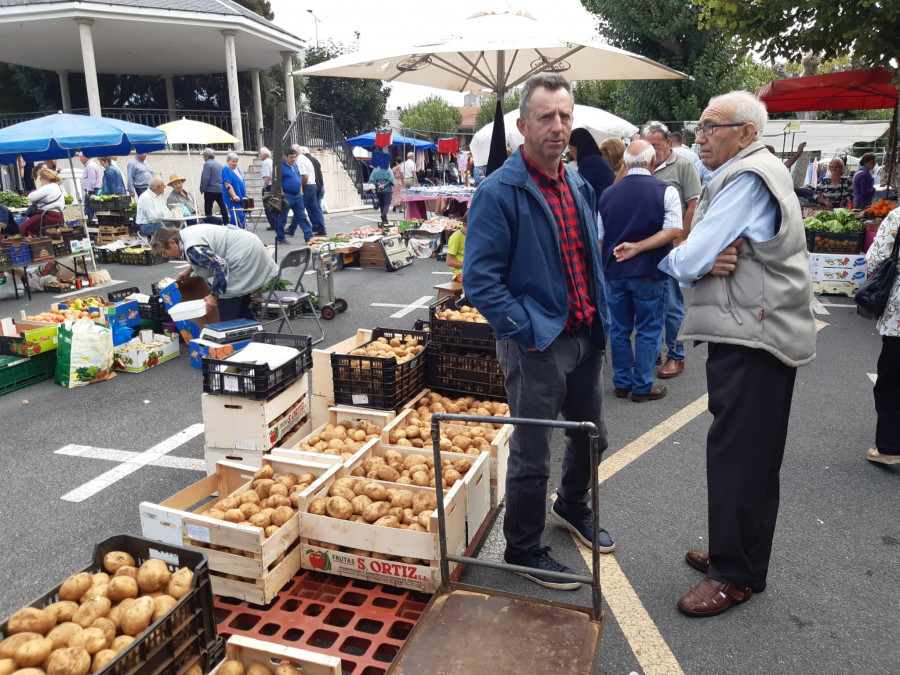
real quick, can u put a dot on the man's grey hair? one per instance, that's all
(747, 109)
(156, 181)
(643, 158)
(265, 151)
(654, 127)
(550, 81)
(161, 238)
(208, 152)
(304, 150)
(232, 156)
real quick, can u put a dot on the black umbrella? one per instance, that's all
(498, 141)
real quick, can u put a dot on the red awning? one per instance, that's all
(851, 90)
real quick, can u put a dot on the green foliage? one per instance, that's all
(433, 117)
(261, 7)
(867, 30)
(485, 114)
(357, 105)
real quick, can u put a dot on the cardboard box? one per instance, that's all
(194, 288)
(27, 338)
(837, 267)
(133, 359)
(847, 288)
(125, 313)
(80, 245)
(207, 349)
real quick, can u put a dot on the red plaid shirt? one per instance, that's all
(573, 250)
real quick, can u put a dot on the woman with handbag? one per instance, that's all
(47, 204)
(887, 388)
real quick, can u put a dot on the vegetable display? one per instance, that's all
(881, 208)
(837, 221)
(11, 200)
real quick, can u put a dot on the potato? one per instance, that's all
(259, 520)
(287, 669)
(91, 611)
(318, 507)
(194, 670)
(387, 521)
(100, 579)
(31, 620)
(62, 633)
(137, 617)
(180, 583)
(64, 610)
(33, 652)
(270, 530)
(451, 476)
(227, 503)
(233, 516)
(282, 515)
(249, 510)
(375, 491)
(101, 659)
(94, 592)
(359, 504)
(248, 497)
(122, 643)
(10, 645)
(161, 606)
(76, 586)
(420, 478)
(424, 518)
(108, 627)
(113, 560)
(265, 472)
(424, 501)
(417, 527)
(387, 473)
(154, 574)
(92, 640)
(115, 614)
(8, 666)
(338, 507)
(231, 668)
(258, 669)
(70, 661)
(376, 510)
(261, 487)
(402, 498)
(359, 486)
(278, 500)
(342, 491)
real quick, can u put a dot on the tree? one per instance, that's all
(488, 109)
(357, 105)
(867, 30)
(433, 117)
(261, 7)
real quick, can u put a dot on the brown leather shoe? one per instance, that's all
(710, 597)
(655, 393)
(671, 368)
(621, 393)
(699, 560)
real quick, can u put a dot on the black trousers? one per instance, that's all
(750, 394)
(234, 308)
(210, 198)
(887, 397)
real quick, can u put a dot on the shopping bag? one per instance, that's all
(872, 297)
(85, 353)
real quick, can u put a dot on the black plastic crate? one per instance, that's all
(834, 242)
(459, 333)
(61, 249)
(378, 382)
(154, 309)
(105, 256)
(184, 636)
(465, 372)
(112, 221)
(143, 258)
(257, 381)
(118, 296)
(116, 203)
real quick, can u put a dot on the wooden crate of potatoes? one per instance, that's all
(247, 656)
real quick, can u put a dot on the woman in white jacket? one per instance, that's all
(887, 387)
(50, 200)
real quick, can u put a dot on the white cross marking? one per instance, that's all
(873, 377)
(421, 303)
(818, 307)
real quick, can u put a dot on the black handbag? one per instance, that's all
(32, 211)
(872, 297)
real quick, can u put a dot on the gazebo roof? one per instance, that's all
(140, 37)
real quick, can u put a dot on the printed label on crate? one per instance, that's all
(291, 418)
(245, 445)
(360, 399)
(231, 383)
(198, 533)
(371, 569)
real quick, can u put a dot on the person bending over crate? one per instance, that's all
(234, 262)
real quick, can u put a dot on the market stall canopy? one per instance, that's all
(60, 135)
(368, 141)
(600, 123)
(871, 89)
(186, 132)
(822, 135)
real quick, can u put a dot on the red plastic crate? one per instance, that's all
(363, 623)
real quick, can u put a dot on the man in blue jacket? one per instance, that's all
(532, 268)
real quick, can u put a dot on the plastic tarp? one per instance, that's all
(850, 90)
(368, 141)
(61, 135)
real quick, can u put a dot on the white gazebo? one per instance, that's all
(148, 37)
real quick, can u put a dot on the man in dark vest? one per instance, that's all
(638, 218)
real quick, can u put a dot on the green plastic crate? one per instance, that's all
(17, 372)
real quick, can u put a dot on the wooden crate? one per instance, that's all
(424, 546)
(176, 520)
(336, 414)
(249, 651)
(476, 481)
(238, 423)
(322, 377)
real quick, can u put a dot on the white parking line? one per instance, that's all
(818, 307)
(873, 377)
(421, 303)
(124, 456)
(134, 463)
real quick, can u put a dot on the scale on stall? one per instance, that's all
(225, 332)
(395, 252)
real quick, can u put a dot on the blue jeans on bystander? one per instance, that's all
(299, 218)
(674, 318)
(638, 305)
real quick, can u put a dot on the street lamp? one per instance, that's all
(316, 25)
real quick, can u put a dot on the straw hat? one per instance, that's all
(174, 177)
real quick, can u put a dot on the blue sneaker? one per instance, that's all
(578, 521)
(289, 233)
(281, 241)
(541, 560)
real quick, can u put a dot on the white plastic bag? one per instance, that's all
(84, 353)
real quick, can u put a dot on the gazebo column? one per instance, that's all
(64, 90)
(170, 97)
(90, 66)
(288, 59)
(257, 107)
(234, 99)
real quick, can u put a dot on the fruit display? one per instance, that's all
(342, 439)
(464, 313)
(96, 617)
(881, 208)
(136, 249)
(394, 348)
(80, 308)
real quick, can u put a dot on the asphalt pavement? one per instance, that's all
(833, 595)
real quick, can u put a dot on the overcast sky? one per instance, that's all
(393, 23)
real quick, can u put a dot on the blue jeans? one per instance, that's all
(674, 317)
(564, 378)
(313, 209)
(637, 305)
(149, 228)
(320, 194)
(299, 218)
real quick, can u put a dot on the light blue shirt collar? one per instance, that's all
(638, 171)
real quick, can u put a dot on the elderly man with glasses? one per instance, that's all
(746, 261)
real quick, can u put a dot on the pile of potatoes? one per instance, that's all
(231, 667)
(412, 470)
(464, 313)
(468, 439)
(341, 439)
(97, 617)
(402, 350)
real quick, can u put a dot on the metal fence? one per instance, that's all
(321, 132)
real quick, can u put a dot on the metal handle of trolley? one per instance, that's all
(323, 263)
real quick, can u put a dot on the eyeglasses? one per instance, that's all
(710, 129)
